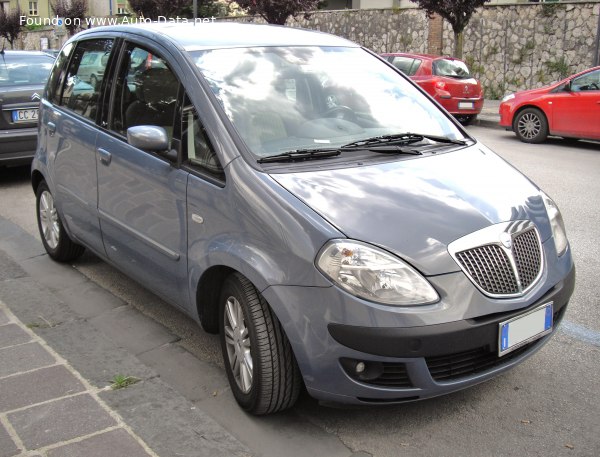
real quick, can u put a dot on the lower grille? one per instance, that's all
(456, 366)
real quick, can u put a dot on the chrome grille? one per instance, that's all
(528, 259)
(505, 268)
(490, 268)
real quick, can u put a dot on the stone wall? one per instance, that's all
(32, 40)
(529, 45)
(508, 47)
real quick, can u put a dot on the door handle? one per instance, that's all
(51, 128)
(105, 156)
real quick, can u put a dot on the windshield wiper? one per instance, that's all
(301, 154)
(401, 138)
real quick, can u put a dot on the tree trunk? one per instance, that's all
(458, 45)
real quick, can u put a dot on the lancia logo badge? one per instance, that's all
(35, 97)
(506, 240)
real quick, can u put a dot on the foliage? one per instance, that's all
(172, 8)
(121, 381)
(73, 10)
(10, 25)
(560, 66)
(456, 12)
(277, 11)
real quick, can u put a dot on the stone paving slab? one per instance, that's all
(112, 443)
(10, 268)
(8, 448)
(97, 300)
(186, 427)
(37, 386)
(92, 354)
(132, 330)
(60, 420)
(3, 318)
(24, 357)
(12, 335)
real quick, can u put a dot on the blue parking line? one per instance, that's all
(581, 333)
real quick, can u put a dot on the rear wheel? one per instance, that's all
(259, 361)
(531, 126)
(57, 243)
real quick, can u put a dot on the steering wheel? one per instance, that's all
(341, 112)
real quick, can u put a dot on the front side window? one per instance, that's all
(283, 99)
(198, 152)
(589, 81)
(145, 93)
(81, 90)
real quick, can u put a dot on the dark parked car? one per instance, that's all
(23, 75)
(294, 193)
(446, 79)
(569, 108)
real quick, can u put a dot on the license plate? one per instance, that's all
(25, 115)
(466, 105)
(525, 328)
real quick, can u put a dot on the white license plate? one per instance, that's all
(466, 105)
(25, 115)
(525, 328)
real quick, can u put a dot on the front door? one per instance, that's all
(141, 194)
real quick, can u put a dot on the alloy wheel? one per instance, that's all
(49, 220)
(237, 340)
(529, 125)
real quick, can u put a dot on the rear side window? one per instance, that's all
(81, 90)
(406, 65)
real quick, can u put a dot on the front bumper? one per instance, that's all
(406, 356)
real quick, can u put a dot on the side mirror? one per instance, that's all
(148, 138)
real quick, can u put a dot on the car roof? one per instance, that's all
(198, 36)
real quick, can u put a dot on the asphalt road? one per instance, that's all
(548, 406)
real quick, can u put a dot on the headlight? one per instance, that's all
(373, 274)
(508, 97)
(558, 226)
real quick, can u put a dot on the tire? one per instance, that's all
(57, 243)
(531, 126)
(260, 365)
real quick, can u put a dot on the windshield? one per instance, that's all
(22, 70)
(451, 68)
(296, 98)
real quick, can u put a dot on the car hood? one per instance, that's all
(416, 207)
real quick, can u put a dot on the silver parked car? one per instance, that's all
(298, 195)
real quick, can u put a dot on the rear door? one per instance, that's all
(141, 194)
(68, 133)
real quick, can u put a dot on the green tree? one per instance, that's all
(277, 11)
(457, 12)
(152, 9)
(73, 10)
(10, 25)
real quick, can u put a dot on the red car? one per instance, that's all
(446, 79)
(569, 108)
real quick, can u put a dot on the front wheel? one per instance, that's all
(531, 126)
(57, 243)
(259, 361)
